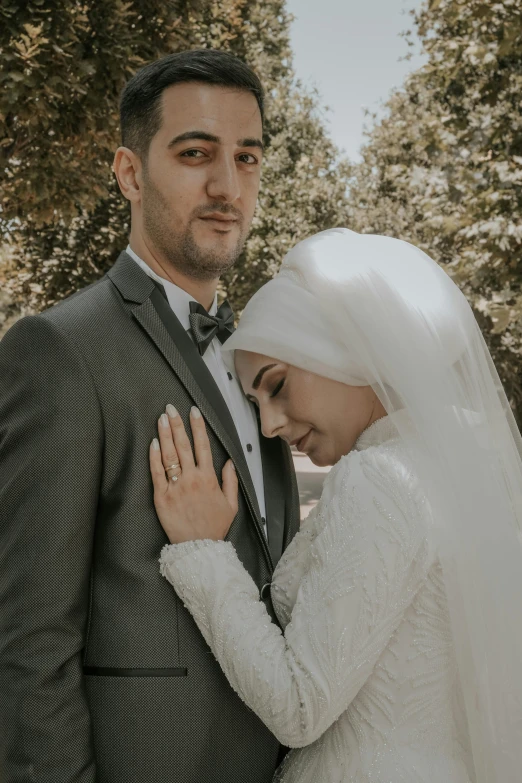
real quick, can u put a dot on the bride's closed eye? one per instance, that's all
(278, 388)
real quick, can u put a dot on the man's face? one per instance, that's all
(201, 177)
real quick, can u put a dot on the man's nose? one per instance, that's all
(223, 182)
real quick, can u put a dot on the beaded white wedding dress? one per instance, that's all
(363, 684)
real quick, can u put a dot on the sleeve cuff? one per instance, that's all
(172, 553)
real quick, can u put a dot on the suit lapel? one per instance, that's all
(154, 314)
(275, 493)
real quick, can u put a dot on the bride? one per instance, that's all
(401, 595)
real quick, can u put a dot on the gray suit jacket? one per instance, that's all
(104, 675)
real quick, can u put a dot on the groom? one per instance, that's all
(104, 675)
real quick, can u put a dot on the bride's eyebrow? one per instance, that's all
(259, 376)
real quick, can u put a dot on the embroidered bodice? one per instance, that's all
(362, 685)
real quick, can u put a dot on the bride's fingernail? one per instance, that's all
(195, 412)
(155, 444)
(171, 410)
(164, 420)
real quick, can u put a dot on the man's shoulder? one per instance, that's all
(98, 294)
(103, 299)
(98, 308)
(76, 321)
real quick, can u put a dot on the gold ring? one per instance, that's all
(174, 465)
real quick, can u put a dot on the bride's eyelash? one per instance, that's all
(278, 388)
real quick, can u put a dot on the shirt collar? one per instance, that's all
(179, 300)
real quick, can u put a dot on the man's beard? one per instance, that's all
(179, 248)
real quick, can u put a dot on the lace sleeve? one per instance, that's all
(291, 567)
(366, 565)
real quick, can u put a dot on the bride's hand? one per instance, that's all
(193, 506)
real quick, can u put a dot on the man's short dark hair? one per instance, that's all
(140, 104)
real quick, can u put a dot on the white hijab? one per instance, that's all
(371, 310)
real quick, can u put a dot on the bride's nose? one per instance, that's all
(272, 422)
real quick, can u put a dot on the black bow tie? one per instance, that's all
(205, 327)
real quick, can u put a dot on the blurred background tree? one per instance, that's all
(64, 66)
(62, 211)
(443, 169)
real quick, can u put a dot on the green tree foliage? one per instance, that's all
(67, 62)
(8, 313)
(443, 169)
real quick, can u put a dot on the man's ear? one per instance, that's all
(127, 167)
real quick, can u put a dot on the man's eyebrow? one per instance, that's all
(204, 136)
(195, 134)
(251, 143)
(259, 376)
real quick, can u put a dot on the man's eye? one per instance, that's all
(191, 153)
(278, 388)
(253, 159)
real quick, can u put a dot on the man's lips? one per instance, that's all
(219, 218)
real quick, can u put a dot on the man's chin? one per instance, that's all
(208, 241)
(218, 255)
(205, 268)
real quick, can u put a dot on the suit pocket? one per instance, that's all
(109, 671)
(177, 730)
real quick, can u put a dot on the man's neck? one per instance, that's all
(203, 292)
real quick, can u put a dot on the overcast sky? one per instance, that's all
(351, 50)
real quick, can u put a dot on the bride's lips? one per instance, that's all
(301, 444)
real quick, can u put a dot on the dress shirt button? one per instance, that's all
(263, 520)
(249, 447)
(229, 376)
(265, 591)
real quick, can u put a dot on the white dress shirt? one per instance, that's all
(241, 410)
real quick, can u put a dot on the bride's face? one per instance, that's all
(321, 417)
